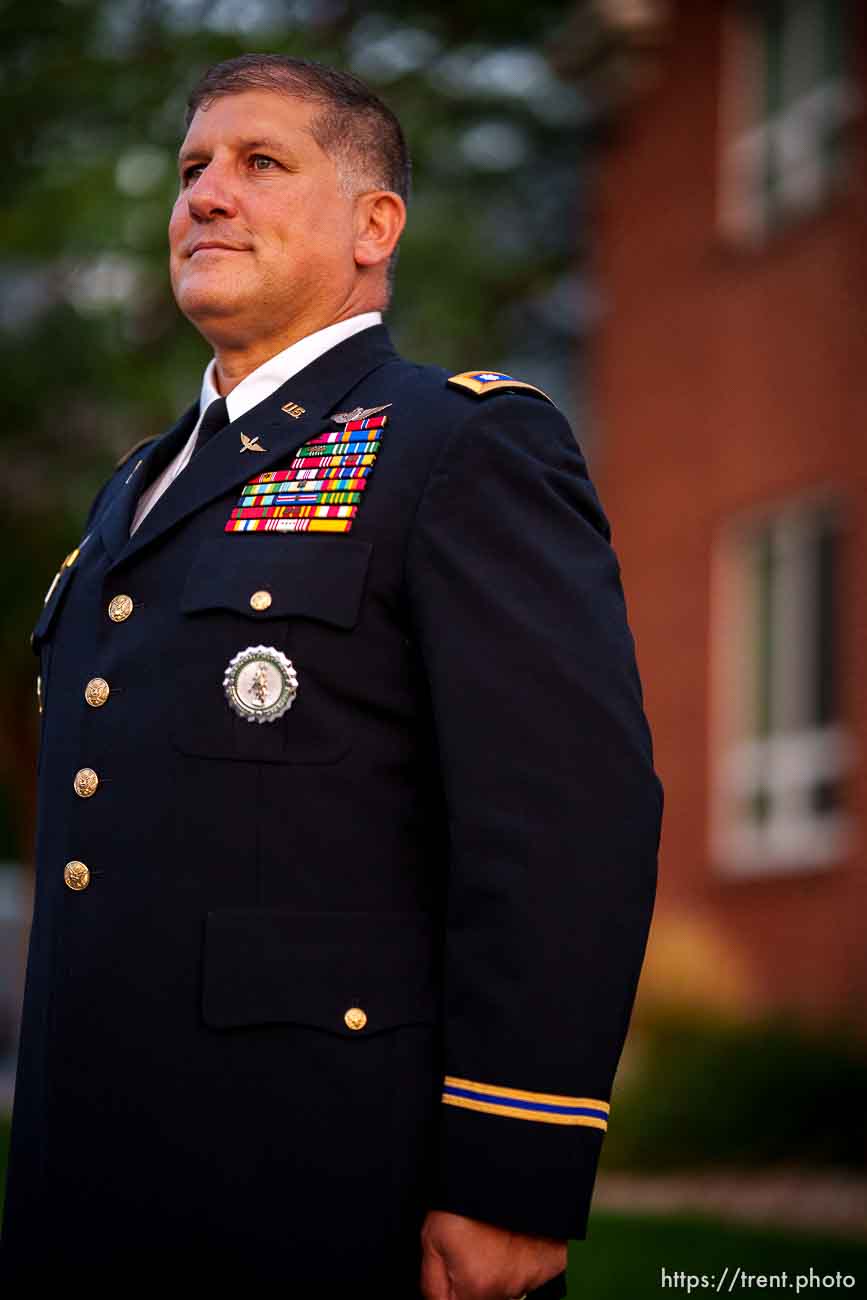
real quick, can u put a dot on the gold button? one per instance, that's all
(96, 692)
(85, 782)
(120, 608)
(355, 1018)
(260, 600)
(76, 875)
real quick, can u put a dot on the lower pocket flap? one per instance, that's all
(276, 965)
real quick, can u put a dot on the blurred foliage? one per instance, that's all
(702, 1091)
(95, 353)
(693, 968)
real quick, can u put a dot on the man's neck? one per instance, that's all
(233, 363)
(231, 367)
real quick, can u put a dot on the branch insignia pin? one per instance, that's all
(251, 444)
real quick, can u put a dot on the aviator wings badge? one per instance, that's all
(251, 444)
(359, 413)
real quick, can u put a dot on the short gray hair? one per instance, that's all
(353, 126)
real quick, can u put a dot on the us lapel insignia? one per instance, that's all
(251, 444)
(293, 409)
(359, 413)
(322, 489)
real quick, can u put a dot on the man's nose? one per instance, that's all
(210, 195)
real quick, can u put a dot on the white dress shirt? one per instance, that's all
(252, 390)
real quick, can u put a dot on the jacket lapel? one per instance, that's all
(116, 519)
(223, 465)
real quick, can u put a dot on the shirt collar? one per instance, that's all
(274, 372)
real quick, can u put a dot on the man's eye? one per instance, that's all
(192, 172)
(261, 162)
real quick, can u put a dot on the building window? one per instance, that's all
(782, 750)
(788, 96)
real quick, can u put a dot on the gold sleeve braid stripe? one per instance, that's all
(514, 1103)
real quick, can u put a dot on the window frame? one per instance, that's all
(769, 174)
(797, 838)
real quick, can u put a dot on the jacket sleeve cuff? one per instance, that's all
(528, 1175)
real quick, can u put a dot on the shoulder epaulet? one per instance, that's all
(137, 446)
(484, 382)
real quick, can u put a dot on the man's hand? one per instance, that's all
(464, 1259)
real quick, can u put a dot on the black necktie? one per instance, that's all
(215, 418)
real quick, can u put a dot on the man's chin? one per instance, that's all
(203, 303)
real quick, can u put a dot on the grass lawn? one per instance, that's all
(623, 1258)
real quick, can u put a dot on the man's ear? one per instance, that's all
(380, 219)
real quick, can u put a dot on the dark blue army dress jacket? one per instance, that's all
(347, 927)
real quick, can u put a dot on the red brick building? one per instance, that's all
(731, 394)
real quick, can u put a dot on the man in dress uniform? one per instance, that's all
(348, 820)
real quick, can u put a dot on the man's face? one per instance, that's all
(261, 236)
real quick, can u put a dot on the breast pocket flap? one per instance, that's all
(277, 576)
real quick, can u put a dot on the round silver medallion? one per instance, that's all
(260, 683)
